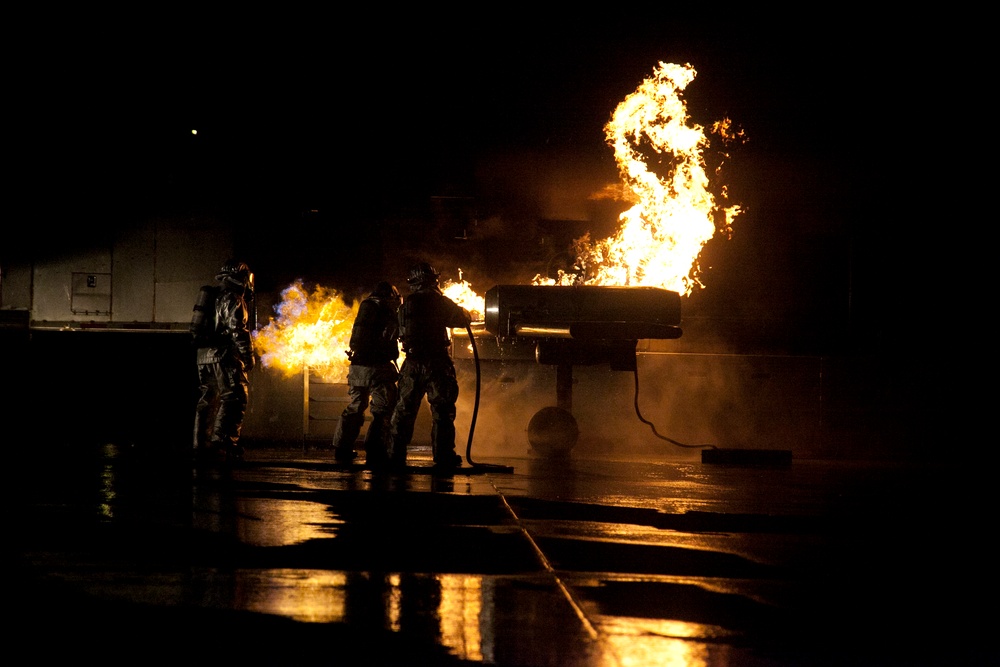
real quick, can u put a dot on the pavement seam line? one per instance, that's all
(588, 626)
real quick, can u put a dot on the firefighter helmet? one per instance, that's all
(386, 291)
(235, 272)
(422, 274)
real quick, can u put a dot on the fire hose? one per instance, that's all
(475, 412)
(510, 469)
(653, 426)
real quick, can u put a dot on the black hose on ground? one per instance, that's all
(651, 426)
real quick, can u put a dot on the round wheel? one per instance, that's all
(553, 432)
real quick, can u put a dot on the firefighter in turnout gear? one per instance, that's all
(428, 369)
(371, 378)
(224, 355)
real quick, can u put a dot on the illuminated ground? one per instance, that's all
(125, 556)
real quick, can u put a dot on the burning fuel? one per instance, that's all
(312, 330)
(660, 155)
(461, 292)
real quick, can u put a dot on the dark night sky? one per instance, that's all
(364, 121)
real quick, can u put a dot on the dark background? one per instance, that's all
(343, 148)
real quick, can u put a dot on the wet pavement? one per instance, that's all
(126, 556)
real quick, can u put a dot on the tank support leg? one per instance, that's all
(564, 387)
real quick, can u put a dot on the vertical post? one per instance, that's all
(305, 406)
(564, 387)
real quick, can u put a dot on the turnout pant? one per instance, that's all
(222, 404)
(373, 386)
(435, 379)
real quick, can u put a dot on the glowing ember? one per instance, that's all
(674, 213)
(311, 331)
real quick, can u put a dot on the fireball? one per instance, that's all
(312, 331)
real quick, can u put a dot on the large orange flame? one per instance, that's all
(312, 331)
(660, 156)
(461, 292)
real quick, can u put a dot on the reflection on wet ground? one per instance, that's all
(131, 558)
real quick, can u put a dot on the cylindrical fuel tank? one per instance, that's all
(552, 310)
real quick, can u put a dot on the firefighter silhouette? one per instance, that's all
(371, 378)
(428, 370)
(221, 326)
